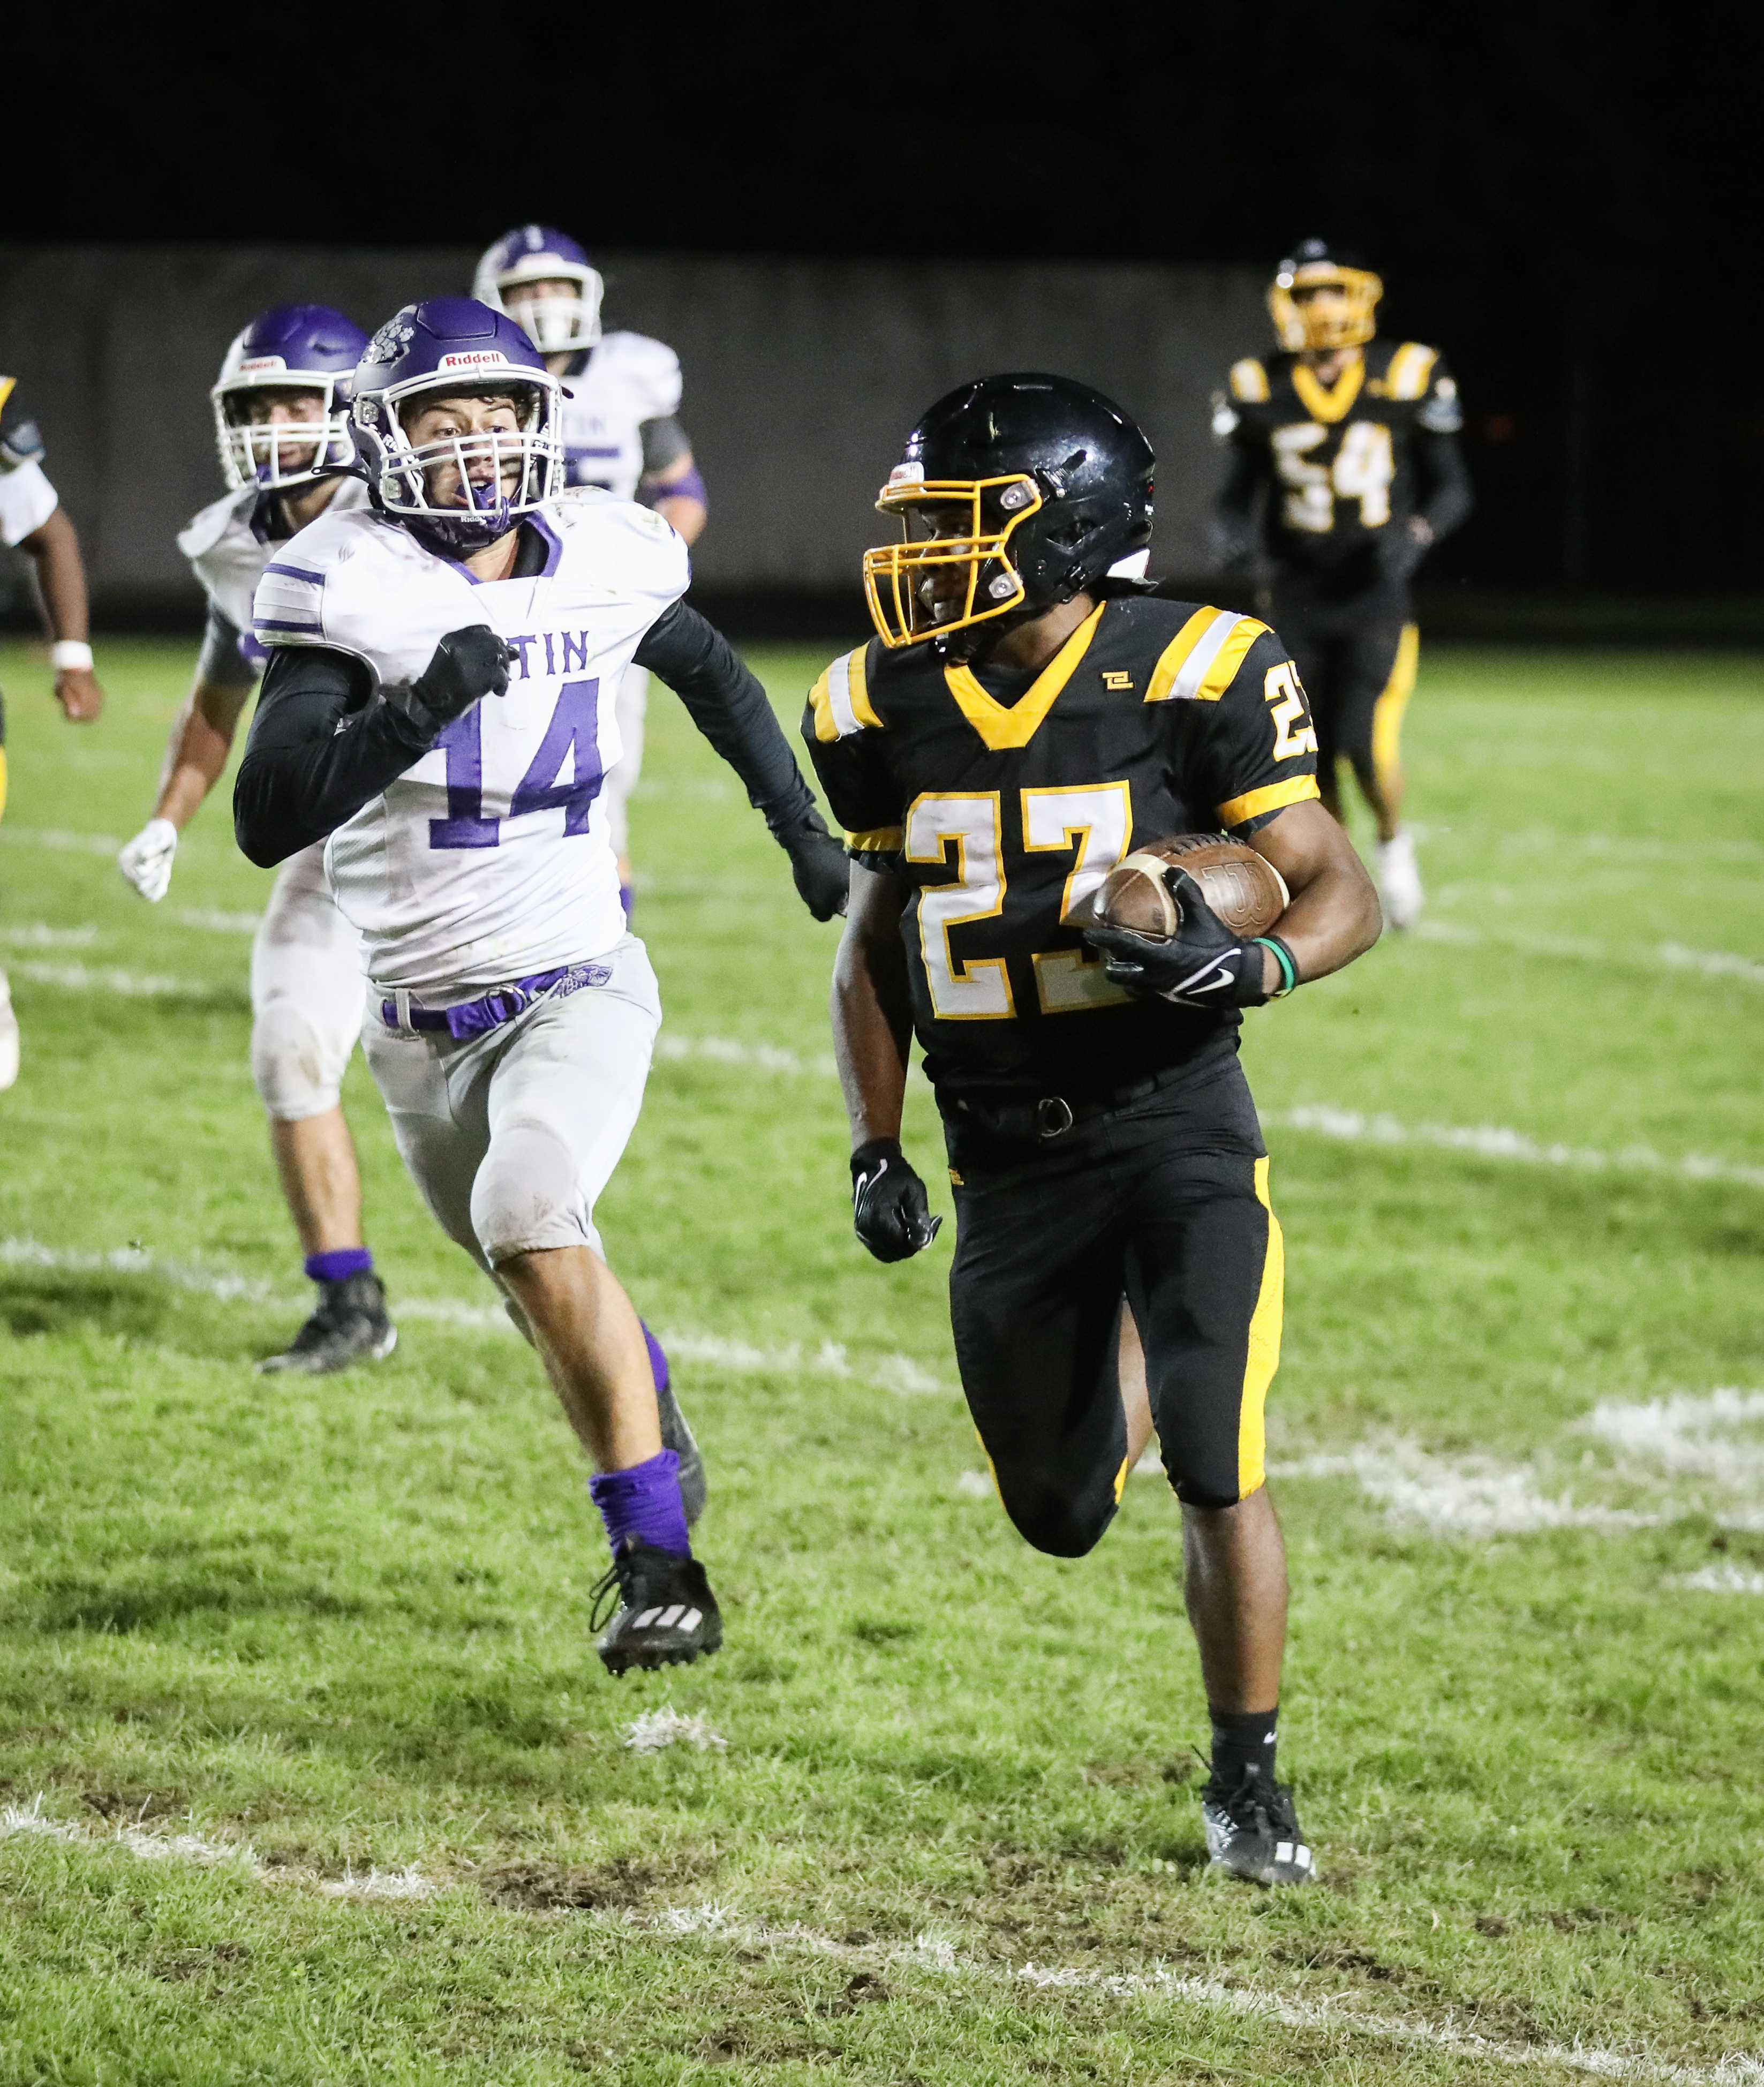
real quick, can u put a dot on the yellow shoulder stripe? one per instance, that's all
(6, 387)
(2, 781)
(877, 840)
(841, 699)
(1198, 664)
(1249, 381)
(1004, 727)
(1272, 797)
(1411, 368)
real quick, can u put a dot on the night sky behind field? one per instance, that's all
(1562, 195)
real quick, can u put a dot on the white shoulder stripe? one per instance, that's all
(838, 688)
(1207, 649)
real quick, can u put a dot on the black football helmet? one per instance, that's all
(1015, 493)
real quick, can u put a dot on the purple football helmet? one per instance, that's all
(290, 347)
(541, 253)
(458, 491)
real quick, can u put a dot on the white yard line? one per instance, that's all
(1672, 956)
(213, 922)
(39, 935)
(59, 840)
(1490, 1141)
(79, 978)
(897, 1373)
(725, 1051)
(935, 1956)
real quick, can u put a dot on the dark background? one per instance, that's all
(1558, 194)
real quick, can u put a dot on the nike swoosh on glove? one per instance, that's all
(1203, 965)
(889, 1209)
(818, 862)
(147, 861)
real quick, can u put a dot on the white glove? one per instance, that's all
(147, 861)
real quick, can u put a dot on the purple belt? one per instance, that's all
(475, 1018)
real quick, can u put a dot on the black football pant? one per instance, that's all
(1355, 655)
(1163, 1203)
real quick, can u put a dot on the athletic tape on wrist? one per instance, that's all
(1282, 956)
(70, 652)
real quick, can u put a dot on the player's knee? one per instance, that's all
(1047, 1516)
(528, 1196)
(297, 1069)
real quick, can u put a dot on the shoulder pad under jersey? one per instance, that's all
(649, 368)
(1249, 381)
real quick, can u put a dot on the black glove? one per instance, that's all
(467, 665)
(817, 863)
(889, 1205)
(1397, 552)
(1204, 965)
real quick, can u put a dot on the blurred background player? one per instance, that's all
(622, 395)
(1345, 471)
(32, 520)
(450, 740)
(281, 422)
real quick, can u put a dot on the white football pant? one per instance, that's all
(622, 777)
(307, 990)
(512, 1136)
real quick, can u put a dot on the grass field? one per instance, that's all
(312, 1774)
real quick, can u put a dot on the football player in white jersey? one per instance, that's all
(433, 704)
(281, 424)
(32, 520)
(621, 430)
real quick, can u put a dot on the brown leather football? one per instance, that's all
(1242, 887)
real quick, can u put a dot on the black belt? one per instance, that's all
(1033, 1120)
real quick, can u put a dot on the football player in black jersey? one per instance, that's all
(1345, 470)
(1025, 716)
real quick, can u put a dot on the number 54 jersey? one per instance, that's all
(489, 859)
(1003, 800)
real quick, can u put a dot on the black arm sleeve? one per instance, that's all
(1234, 520)
(1443, 498)
(729, 707)
(322, 745)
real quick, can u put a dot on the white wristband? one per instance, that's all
(67, 652)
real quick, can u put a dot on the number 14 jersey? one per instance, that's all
(1003, 800)
(488, 859)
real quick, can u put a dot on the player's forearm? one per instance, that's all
(316, 754)
(872, 1018)
(727, 702)
(1334, 915)
(683, 513)
(55, 549)
(1442, 483)
(196, 754)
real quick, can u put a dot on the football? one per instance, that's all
(1243, 888)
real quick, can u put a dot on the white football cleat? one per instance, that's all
(9, 1037)
(1399, 880)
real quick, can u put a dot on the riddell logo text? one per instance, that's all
(476, 358)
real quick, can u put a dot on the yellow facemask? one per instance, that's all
(1347, 324)
(899, 579)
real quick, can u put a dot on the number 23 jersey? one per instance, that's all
(1004, 817)
(489, 859)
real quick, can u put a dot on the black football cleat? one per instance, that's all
(1252, 1832)
(677, 1436)
(351, 1325)
(667, 1615)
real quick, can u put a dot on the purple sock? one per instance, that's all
(627, 900)
(339, 1264)
(658, 1362)
(643, 1503)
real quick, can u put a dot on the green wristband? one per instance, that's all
(1282, 956)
